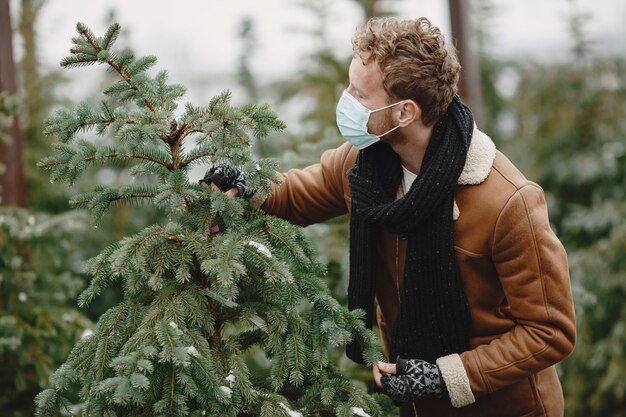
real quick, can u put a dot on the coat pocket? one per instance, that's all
(516, 400)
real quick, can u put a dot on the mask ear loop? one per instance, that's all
(383, 108)
(389, 131)
(386, 107)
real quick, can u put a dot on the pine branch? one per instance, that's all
(279, 363)
(263, 120)
(296, 376)
(270, 267)
(196, 310)
(101, 198)
(277, 322)
(183, 274)
(199, 245)
(77, 61)
(70, 162)
(207, 370)
(131, 247)
(46, 403)
(84, 362)
(66, 124)
(176, 194)
(198, 154)
(111, 35)
(102, 54)
(126, 77)
(87, 35)
(168, 94)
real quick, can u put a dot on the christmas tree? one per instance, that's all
(217, 282)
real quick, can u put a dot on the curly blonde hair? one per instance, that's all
(415, 62)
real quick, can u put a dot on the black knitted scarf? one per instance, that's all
(433, 316)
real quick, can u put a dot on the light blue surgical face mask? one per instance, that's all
(352, 118)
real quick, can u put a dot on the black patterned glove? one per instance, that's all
(227, 177)
(414, 379)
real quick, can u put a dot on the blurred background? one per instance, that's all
(545, 79)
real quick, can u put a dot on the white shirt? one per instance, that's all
(407, 181)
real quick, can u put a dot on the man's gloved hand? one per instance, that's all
(226, 177)
(414, 379)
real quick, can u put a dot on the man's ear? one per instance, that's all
(408, 112)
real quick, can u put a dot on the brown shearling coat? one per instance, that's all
(513, 268)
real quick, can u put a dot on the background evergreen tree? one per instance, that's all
(36, 88)
(565, 128)
(8, 107)
(39, 281)
(248, 38)
(574, 120)
(196, 300)
(39, 323)
(483, 15)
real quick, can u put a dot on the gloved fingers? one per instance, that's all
(241, 189)
(240, 184)
(398, 388)
(227, 179)
(222, 183)
(206, 180)
(415, 379)
(232, 193)
(222, 175)
(208, 175)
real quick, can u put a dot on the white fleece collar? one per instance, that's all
(478, 163)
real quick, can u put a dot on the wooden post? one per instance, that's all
(12, 183)
(469, 84)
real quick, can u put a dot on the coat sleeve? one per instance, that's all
(533, 270)
(315, 193)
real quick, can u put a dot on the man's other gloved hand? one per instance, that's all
(414, 379)
(226, 177)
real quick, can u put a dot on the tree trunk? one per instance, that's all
(469, 84)
(35, 104)
(12, 184)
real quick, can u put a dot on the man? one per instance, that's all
(473, 291)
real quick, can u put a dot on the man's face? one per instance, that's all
(366, 85)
